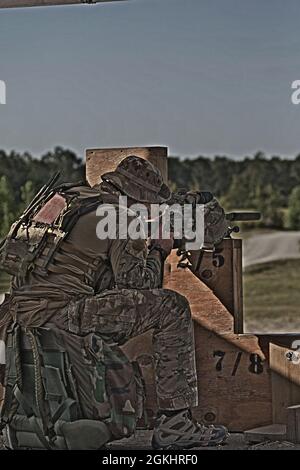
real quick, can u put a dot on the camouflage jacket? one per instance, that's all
(85, 265)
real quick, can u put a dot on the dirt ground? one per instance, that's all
(236, 441)
(273, 246)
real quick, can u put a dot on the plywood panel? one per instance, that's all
(234, 385)
(285, 382)
(221, 271)
(293, 424)
(207, 310)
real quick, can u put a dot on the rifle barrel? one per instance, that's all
(243, 216)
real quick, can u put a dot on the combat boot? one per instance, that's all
(181, 431)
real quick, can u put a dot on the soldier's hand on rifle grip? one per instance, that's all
(165, 244)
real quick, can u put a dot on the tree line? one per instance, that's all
(270, 185)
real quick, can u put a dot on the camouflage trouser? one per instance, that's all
(118, 315)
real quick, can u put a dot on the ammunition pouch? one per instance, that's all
(41, 228)
(18, 252)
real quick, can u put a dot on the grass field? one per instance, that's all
(272, 297)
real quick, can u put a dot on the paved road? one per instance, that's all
(273, 246)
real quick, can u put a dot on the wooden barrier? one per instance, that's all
(234, 374)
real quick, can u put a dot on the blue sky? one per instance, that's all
(200, 76)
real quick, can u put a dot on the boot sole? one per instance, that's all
(215, 443)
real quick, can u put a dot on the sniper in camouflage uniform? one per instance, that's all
(117, 284)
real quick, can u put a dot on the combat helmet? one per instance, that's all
(139, 180)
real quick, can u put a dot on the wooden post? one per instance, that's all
(285, 382)
(284, 390)
(237, 282)
(293, 424)
(221, 271)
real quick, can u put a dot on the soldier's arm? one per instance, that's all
(133, 267)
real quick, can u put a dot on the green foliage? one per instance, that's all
(27, 193)
(294, 209)
(272, 296)
(6, 205)
(268, 201)
(21, 177)
(257, 183)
